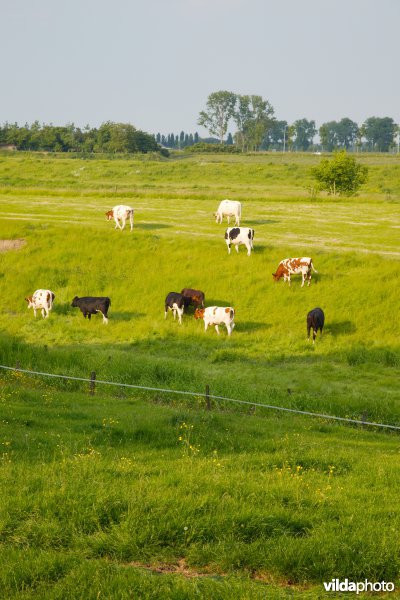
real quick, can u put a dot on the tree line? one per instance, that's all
(258, 129)
(108, 138)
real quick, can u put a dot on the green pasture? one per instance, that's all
(101, 488)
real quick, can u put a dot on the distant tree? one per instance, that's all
(379, 133)
(347, 131)
(219, 110)
(253, 117)
(340, 174)
(276, 136)
(304, 132)
(181, 139)
(196, 138)
(191, 139)
(342, 134)
(158, 138)
(229, 139)
(328, 136)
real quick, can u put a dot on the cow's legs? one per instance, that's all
(228, 328)
(34, 312)
(105, 320)
(237, 247)
(217, 329)
(131, 220)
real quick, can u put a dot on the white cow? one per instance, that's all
(239, 235)
(121, 213)
(216, 315)
(41, 299)
(229, 208)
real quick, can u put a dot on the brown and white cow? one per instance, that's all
(293, 266)
(121, 213)
(41, 300)
(216, 315)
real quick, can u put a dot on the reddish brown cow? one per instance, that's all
(195, 297)
(292, 266)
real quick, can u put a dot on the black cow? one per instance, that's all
(315, 321)
(90, 305)
(176, 302)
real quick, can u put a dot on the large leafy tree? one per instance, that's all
(342, 134)
(379, 133)
(277, 136)
(253, 117)
(304, 132)
(219, 110)
(340, 175)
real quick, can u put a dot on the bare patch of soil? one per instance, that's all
(6, 245)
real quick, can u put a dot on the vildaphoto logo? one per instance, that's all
(335, 585)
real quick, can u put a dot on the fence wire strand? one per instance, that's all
(203, 395)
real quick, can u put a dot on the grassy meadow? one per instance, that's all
(129, 494)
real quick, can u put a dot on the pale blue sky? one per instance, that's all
(153, 63)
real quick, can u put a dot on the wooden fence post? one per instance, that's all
(17, 365)
(92, 383)
(208, 402)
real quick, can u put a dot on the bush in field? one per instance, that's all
(213, 148)
(340, 175)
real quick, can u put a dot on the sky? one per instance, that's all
(153, 63)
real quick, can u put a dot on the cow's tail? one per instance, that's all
(232, 313)
(312, 266)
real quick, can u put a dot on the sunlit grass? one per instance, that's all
(96, 484)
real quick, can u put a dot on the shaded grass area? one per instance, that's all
(98, 488)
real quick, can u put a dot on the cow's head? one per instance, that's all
(29, 301)
(199, 313)
(74, 301)
(109, 215)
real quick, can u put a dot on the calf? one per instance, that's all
(195, 297)
(41, 299)
(229, 208)
(315, 321)
(90, 305)
(292, 266)
(121, 213)
(216, 315)
(175, 302)
(239, 235)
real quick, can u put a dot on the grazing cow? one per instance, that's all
(41, 299)
(175, 302)
(216, 315)
(239, 235)
(120, 213)
(292, 266)
(90, 305)
(315, 321)
(229, 208)
(195, 297)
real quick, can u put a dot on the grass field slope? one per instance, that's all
(126, 494)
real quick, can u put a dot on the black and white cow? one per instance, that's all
(90, 305)
(239, 235)
(176, 302)
(315, 321)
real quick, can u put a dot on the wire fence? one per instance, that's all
(207, 396)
